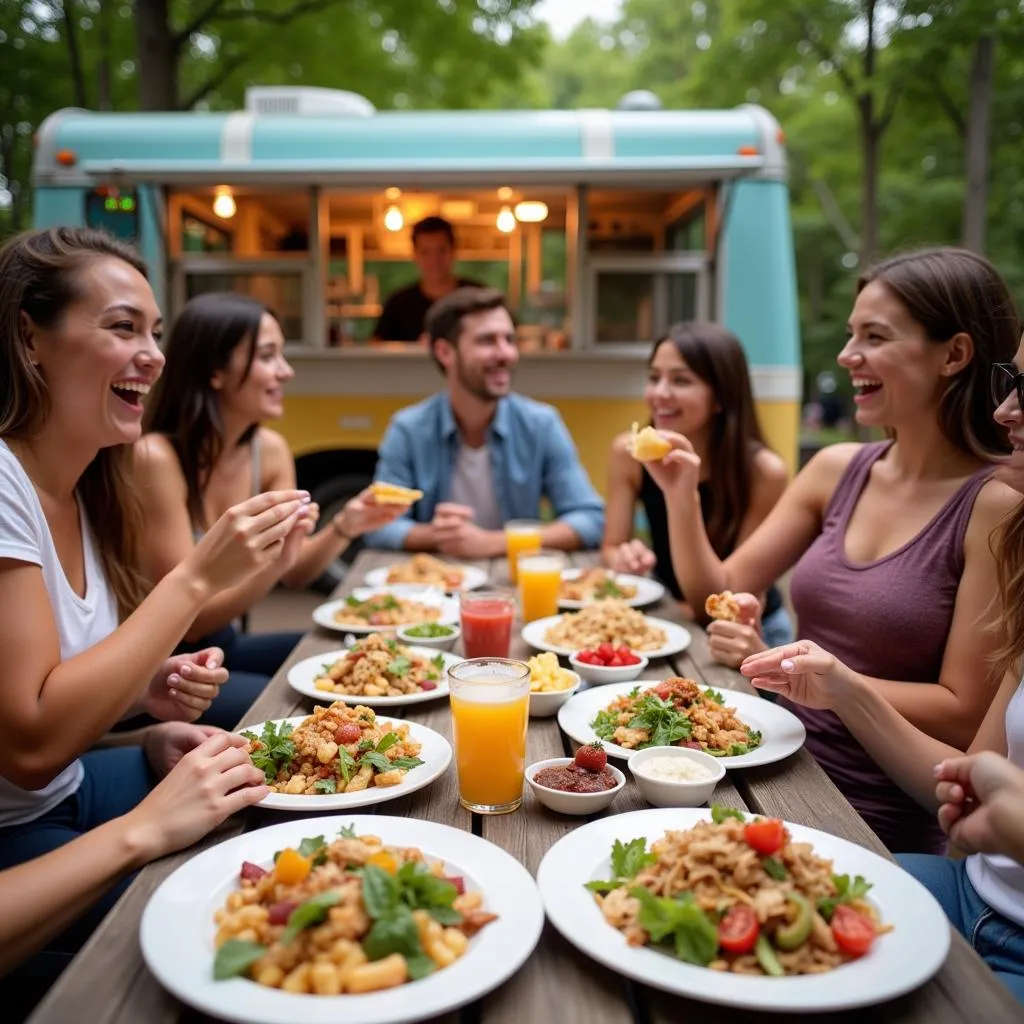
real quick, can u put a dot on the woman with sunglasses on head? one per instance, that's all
(979, 798)
(205, 449)
(698, 385)
(85, 643)
(894, 572)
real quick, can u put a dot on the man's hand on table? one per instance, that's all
(456, 534)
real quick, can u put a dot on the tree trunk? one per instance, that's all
(156, 58)
(104, 77)
(74, 54)
(977, 144)
(870, 137)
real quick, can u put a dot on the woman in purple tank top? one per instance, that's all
(891, 541)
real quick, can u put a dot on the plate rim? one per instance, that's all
(523, 930)
(753, 759)
(405, 700)
(311, 804)
(552, 881)
(564, 652)
(634, 602)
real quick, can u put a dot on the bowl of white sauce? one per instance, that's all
(676, 776)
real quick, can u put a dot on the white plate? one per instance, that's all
(302, 676)
(648, 591)
(677, 638)
(177, 928)
(436, 755)
(324, 614)
(899, 962)
(782, 733)
(474, 577)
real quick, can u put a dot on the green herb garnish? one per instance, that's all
(719, 814)
(313, 911)
(846, 892)
(628, 860)
(276, 750)
(235, 957)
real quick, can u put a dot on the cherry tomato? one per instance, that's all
(428, 684)
(605, 651)
(738, 930)
(853, 932)
(280, 912)
(347, 733)
(615, 661)
(764, 835)
(251, 872)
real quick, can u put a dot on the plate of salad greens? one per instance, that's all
(742, 730)
(275, 751)
(377, 671)
(741, 911)
(178, 933)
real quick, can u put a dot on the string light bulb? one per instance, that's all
(531, 211)
(506, 222)
(393, 219)
(224, 205)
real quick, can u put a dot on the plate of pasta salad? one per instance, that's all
(341, 918)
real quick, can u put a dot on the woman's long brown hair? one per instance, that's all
(1008, 547)
(39, 276)
(716, 356)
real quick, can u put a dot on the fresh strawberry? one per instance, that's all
(605, 652)
(591, 757)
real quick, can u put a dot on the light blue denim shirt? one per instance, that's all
(532, 457)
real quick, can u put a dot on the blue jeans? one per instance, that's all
(115, 781)
(998, 941)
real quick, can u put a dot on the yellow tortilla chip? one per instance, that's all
(392, 494)
(648, 445)
(723, 607)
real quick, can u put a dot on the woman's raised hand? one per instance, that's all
(632, 557)
(801, 672)
(678, 473)
(247, 538)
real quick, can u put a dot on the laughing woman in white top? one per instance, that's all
(979, 800)
(83, 644)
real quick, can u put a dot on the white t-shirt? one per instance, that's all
(473, 485)
(81, 622)
(999, 880)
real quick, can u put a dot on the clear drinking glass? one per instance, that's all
(490, 699)
(540, 579)
(486, 617)
(521, 535)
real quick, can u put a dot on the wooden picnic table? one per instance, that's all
(108, 983)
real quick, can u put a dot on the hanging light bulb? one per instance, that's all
(531, 211)
(506, 221)
(392, 195)
(393, 219)
(224, 203)
(504, 193)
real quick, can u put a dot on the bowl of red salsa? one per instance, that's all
(583, 784)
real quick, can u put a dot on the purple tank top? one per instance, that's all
(890, 619)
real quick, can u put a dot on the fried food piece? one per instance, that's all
(392, 494)
(723, 607)
(648, 445)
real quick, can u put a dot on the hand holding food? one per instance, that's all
(678, 472)
(802, 672)
(735, 634)
(391, 494)
(366, 512)
(647, 445)
(246, 539)
(208, 784)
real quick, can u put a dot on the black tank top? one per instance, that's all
(653, 501)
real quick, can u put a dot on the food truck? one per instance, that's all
(603, 227)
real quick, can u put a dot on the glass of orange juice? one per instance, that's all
(540, 577)
(490, 700)
(521, 535)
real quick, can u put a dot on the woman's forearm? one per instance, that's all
(44, 896)
(903, 751)
(316, 555)
(698, 569)
(932, 708)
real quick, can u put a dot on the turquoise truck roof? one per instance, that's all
(410, 147)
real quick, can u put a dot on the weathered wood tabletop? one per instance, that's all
(108, 983)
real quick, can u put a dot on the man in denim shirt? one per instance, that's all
(481, 454)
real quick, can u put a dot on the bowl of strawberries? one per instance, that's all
(608, 663)
(583, 784)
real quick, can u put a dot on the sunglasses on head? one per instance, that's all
(1005, 380)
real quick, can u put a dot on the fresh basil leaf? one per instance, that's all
(311, 912)
(396, 932)
(377, 761)
(629, 858)
(406, 763)
(774, 868)
(438, 662)
(235, 958)
(387, 742)
(657, 914)
(445, 916)
(346, 764)
(602, 887)
(380, 891)
(847, 891)
(714, 695)
(419, 965)
(315, 847)
(325, 786)
(420, 889)
(348, 832)
(695, 937)
(720, 813)
(365, 745)
(399, 667)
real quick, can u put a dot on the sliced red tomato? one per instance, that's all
(738, 930)
(853, 932)
(251, 872)
(765, 835)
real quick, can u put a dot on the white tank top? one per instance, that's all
(999, 880)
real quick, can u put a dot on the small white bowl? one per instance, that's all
(599, 674)
(663, 793)
(572, 803)
(544, 705)
(440, 643)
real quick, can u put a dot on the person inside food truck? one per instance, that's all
(481, 454)
(433, 249)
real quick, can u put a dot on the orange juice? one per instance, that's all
(540, 577)
(520, 535)
(490, 701)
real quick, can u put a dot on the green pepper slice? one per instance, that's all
(793, 935)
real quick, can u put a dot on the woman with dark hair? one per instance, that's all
(894, 571)
(698, 385)
(83, 643)
(979, 798)
(204, 450)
